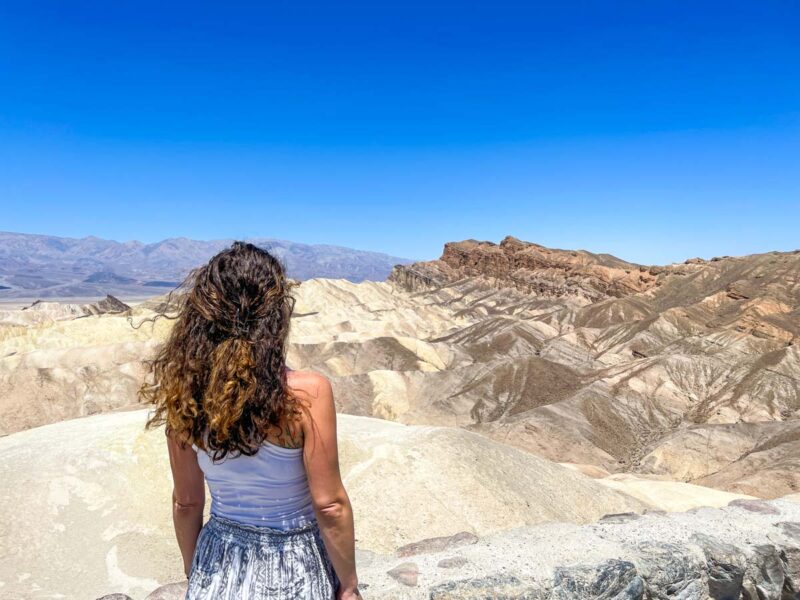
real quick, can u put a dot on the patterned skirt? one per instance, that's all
(235, 561)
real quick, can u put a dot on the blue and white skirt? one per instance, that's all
(235, 561)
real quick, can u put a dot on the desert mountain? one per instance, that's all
(688, 370)
(42, 266)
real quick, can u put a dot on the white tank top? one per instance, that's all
(268, 489)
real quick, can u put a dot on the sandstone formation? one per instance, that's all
(689, 371)
(59, 361)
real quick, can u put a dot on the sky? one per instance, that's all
(655, 131)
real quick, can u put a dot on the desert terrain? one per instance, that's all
(498, 407)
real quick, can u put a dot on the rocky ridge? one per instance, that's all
(532, 269)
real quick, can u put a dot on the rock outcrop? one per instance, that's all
(747, 551)
(530, 268)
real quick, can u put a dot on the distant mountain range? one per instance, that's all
(44, 266)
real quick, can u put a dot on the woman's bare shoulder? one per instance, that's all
(314, 391)
(308, 384)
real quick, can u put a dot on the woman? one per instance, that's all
(261, 435)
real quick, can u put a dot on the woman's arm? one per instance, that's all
(188, 498)
(331, 503)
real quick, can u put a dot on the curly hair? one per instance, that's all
(219, 380)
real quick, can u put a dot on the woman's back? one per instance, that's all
(281, 523)
(267, 489)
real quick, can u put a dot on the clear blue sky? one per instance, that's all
(652, 130)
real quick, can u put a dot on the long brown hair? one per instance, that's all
(221, 371)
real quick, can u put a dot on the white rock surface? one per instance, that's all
(85, 503)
